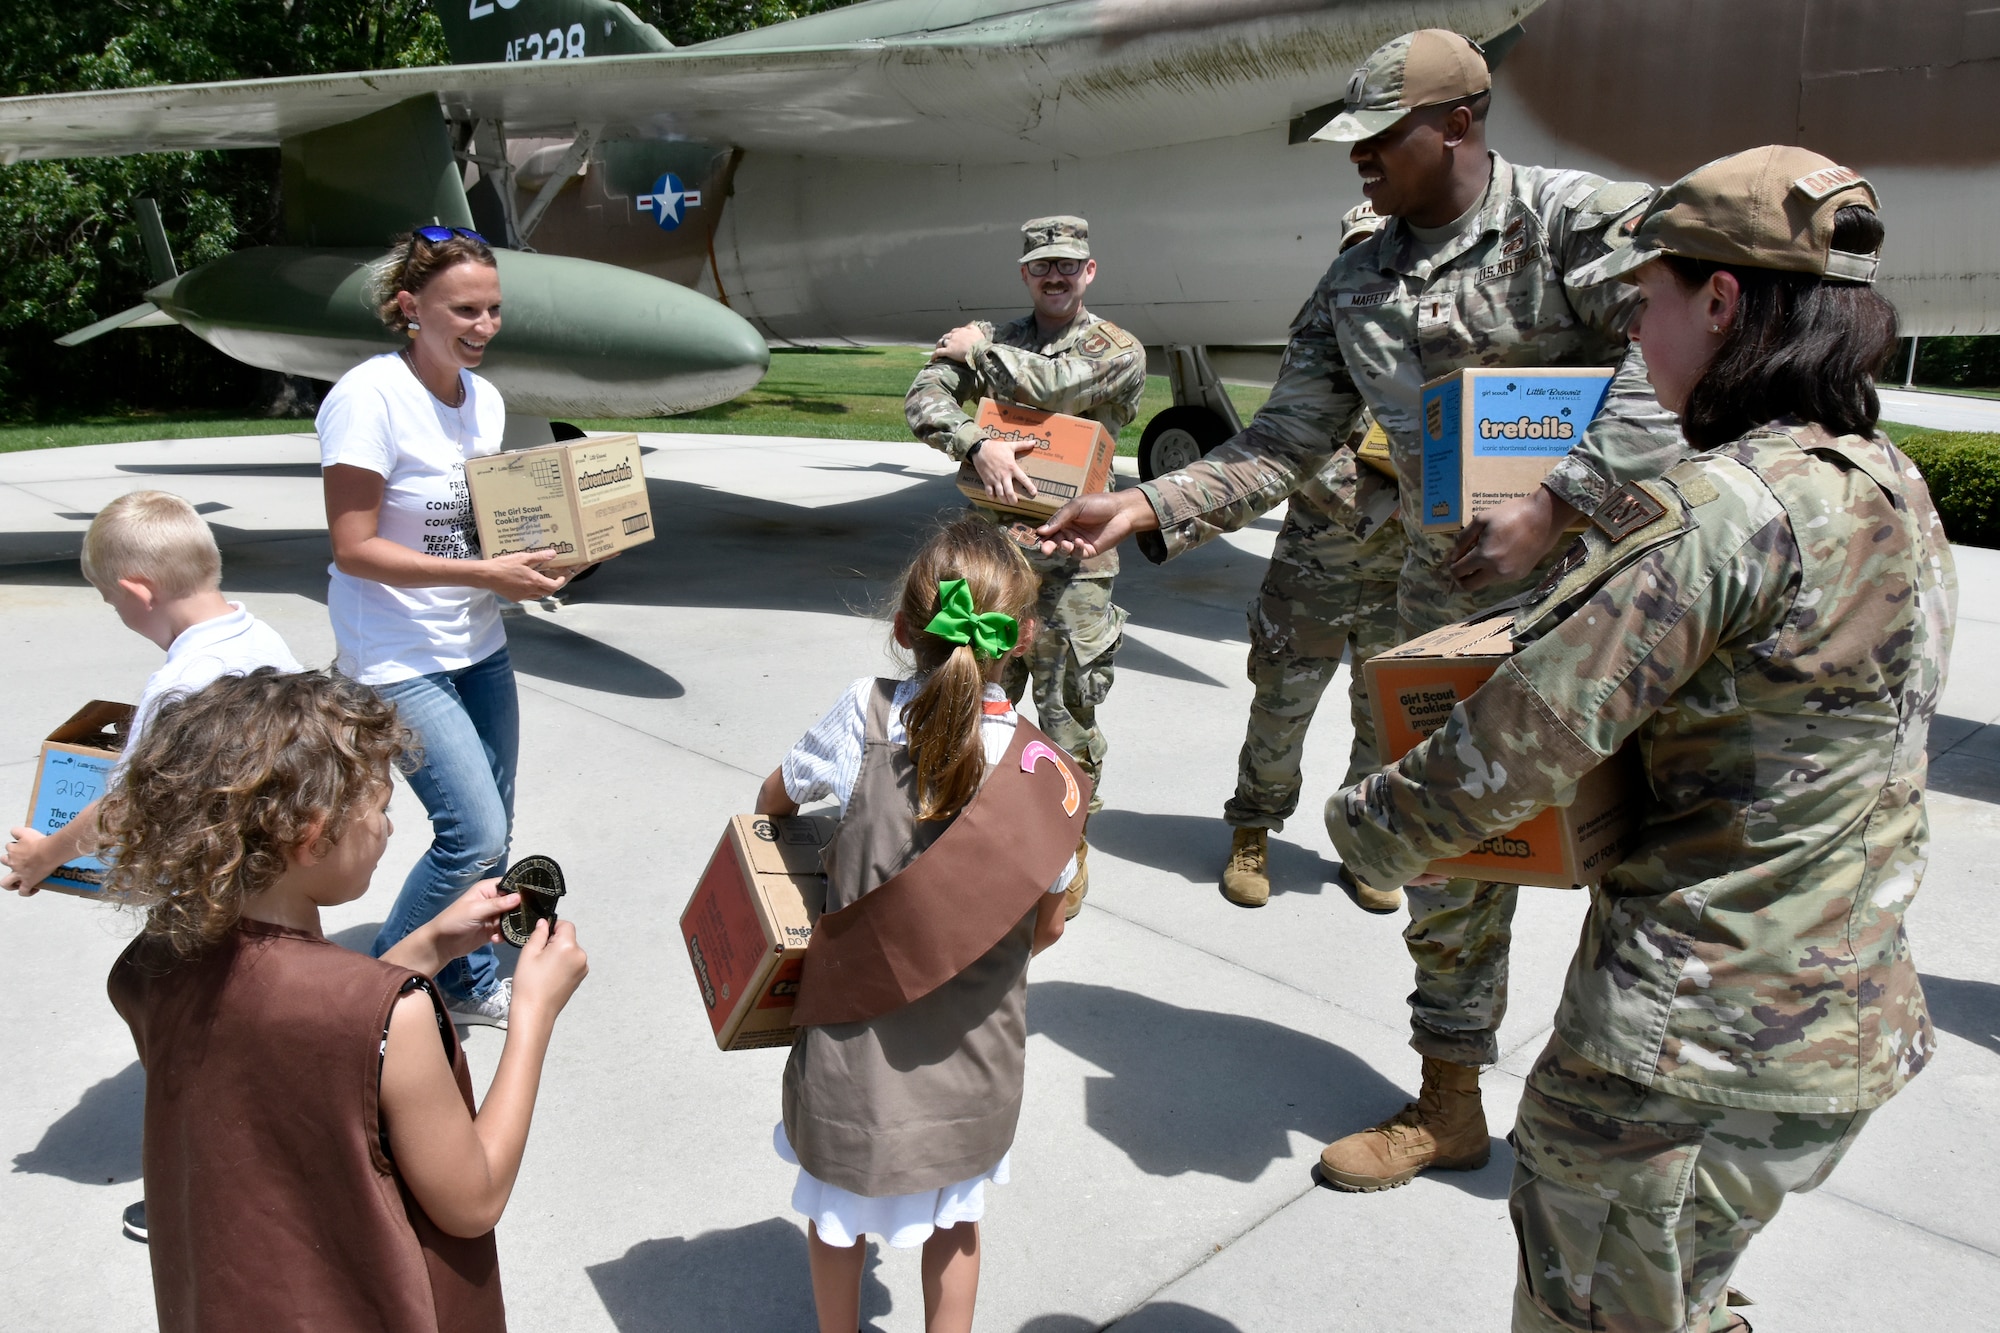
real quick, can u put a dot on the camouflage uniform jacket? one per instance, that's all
(1383, 321)
(1091, 369)
(1776, 637)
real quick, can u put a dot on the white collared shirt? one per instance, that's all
(827, 759)
(234, 644)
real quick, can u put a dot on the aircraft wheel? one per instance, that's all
(1177, 437)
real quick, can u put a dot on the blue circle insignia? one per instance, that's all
(669, 201)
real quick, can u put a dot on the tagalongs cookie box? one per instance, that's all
(747, 926)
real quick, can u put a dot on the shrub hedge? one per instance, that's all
(1962, 470)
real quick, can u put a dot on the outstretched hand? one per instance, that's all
(1093, 524)
(519, 577)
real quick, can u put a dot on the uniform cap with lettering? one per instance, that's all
(1060, 237)
(1421, 68)
(1769, 207)
(1358, 223)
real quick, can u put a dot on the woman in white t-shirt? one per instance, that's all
(416, 611)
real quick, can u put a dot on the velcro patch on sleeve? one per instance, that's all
(1629, 509)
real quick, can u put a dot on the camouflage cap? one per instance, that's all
(1358, 223)
(1421, 68)
(1769, 207)
(1060, 237)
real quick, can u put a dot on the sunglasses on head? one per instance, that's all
(439, 235)
(1039, 268)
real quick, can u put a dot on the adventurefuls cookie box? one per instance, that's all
(583, 499)
(1412, 690)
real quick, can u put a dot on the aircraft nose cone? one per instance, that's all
(585, 339)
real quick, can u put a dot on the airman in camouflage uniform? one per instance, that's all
(1082, 366)
(1330, 590)
(1771, 620)
(1396, 311)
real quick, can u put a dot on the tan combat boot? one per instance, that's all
(1079, 885)
(1444, 1128)
(1246, 880)
(1381, 902)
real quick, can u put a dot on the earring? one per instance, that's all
(414, 326)
(1713, 328)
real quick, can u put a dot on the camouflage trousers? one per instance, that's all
(1321, 599)
(1070, 663)
(1632, 1207)
(1459, 932)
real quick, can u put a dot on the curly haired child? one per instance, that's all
(312, 1156)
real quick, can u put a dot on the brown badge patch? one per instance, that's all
(1093, 345)
(1629, 509)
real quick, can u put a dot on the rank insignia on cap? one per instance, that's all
(1629, 509)
(1826, 181)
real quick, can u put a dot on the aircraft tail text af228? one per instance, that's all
(856, 176)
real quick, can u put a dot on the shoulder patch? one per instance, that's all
(1617, 196)
(1104, 339)
(1630, 508)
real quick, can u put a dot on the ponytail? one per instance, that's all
(943, 719)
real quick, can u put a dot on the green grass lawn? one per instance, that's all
(842, 393)
(851, 393)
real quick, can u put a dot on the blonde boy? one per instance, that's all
(150, 555)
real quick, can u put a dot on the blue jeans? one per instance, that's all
(469, 725)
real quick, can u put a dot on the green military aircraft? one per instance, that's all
(857, 176)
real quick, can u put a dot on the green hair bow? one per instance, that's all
(956, 621)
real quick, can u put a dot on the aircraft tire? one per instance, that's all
(1177, 437)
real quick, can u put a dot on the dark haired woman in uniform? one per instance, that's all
(416, 611)
(1771, 620)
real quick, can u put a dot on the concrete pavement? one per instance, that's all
(1940, 411)
(1187, 1058)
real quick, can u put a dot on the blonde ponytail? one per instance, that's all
(943, 719)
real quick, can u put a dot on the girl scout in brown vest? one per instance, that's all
(312, 1156)
(958, 819)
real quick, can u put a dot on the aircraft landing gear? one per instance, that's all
(1177, 437)
(1201, 418)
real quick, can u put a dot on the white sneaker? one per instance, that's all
(488, 1012)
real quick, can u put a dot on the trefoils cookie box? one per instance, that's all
(74, 769)
(747, 926)
(1412, 690)
(585, 499)
(1492, 434)
(1071, 457)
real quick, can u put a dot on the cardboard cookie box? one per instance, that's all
(748, 924)
(73, 771)
(584, 498)
(1491, 435)
(1071, 457)
(1412, 690)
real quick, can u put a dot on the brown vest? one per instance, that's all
(270, 1200)
(928, 1093)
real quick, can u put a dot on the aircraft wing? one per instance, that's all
(1082, 78)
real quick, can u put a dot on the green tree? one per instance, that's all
(70, 251)
(686, 22)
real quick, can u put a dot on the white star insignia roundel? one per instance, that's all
(669, 201)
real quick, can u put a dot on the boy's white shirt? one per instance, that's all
(827, 759)
(381, 417)
(234, 644)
